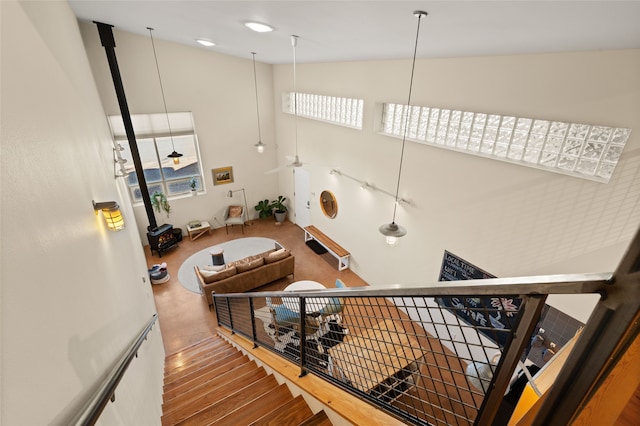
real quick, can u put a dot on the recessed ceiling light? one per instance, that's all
(205, 42)
(258, 27)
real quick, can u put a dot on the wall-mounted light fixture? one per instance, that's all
(370, 186)
(112, 215)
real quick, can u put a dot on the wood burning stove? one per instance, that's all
(161, 239)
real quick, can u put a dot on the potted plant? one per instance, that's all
(264, 209)
(193, 183)
(159, 202)
(279, 208)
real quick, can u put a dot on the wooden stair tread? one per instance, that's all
(208, 397)
(181, 358)
(212, 340)
(211, 353)
(198, 377)
(216, 359)
(232, 402)
(291, 413)
(319, 419)
(275, 398)
(227, 381)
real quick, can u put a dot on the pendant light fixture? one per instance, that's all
(392, 231)
(174, 154)
(294, 44)
(259, 146)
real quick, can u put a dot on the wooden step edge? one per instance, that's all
(247, 414)
(190, 358)
(338, 401)
(242, 399)
(177, 357)
(212, 338)
(227, 379)
(291, 413)
(318, 419)
(170, 383)
(205, 399)
(197, 377)
(204, 363)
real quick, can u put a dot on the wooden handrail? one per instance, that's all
(92, 410)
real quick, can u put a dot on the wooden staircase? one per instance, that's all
(211, 382)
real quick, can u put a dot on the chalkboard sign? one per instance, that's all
(488, 314)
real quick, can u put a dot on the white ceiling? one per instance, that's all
(341, 30)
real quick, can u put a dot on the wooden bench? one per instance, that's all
(313, 233)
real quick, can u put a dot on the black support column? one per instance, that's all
(109, 44)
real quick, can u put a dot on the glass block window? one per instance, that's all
(580, 150)
(342, 111)
(154, 144)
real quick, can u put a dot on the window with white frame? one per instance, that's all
(157, 136)
(580, 150)
(331, 109)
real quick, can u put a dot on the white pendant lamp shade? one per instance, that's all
(392, 231)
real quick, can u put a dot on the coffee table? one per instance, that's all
(197, 231)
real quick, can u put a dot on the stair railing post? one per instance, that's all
(233, 330)
(254, 333)
(303, 337)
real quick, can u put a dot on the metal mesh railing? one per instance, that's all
(413, 355)
(443, 355)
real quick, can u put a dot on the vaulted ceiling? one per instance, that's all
(343, 30)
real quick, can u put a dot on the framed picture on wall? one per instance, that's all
(222, 175)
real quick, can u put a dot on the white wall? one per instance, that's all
(73, 295)
(220, 92)
(507, 219)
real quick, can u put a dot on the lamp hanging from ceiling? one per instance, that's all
(294, 44)
(175, 155)
(392, 231)
(259, 146)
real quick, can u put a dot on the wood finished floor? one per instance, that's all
(184, 316)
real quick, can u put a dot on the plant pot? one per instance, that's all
(194, 192)
(280, 215)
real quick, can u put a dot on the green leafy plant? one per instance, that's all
(159, 202)
(264, 209)
(193, 183)
(278, 205)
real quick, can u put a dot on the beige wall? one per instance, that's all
(507, 219)
(73, 295)
(220, 92)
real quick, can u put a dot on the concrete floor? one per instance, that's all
(184, 316)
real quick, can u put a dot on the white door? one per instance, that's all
(301, 194)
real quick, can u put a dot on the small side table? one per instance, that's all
(197, 231)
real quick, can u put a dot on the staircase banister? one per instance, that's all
(542, 284)
(91, 411)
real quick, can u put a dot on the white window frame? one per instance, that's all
(580, 150)
(347, 112)
(154, 128)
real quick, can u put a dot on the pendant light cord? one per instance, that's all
(406, 117)
(166, 112)
(255, 81)
(294, 43)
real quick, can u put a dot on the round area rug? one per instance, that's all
(233, 250)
